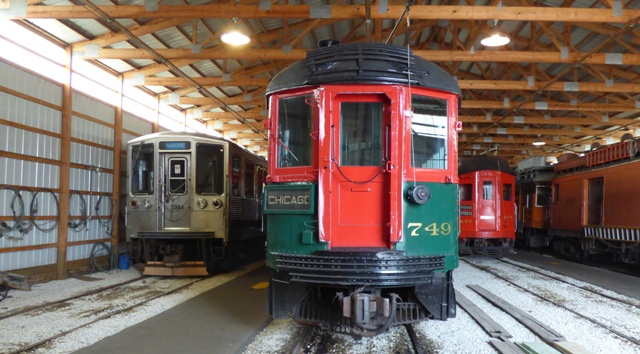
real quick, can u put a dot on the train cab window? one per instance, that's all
(235, 175)
(543, 196)
(177, 176)
(507, 190)
(466, 192)
(295, 121)
(487, 190)
(142, 169)
(249, 179)
(361, 133)
(429, 132)
(209, 169)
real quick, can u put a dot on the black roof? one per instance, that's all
(482, 163)
(366, 63)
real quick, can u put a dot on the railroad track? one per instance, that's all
(301, 339)
(563, 280)
(86, 309)
(544, 290)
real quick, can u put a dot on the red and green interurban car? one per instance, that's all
(361, 198)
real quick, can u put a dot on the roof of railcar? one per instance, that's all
(363, 63)
(482, 163)
(184, 135)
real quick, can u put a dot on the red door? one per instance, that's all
(487, 191)
(354, 181)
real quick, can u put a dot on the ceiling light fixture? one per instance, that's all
(538, 142)
(497, 39)
(235, 37)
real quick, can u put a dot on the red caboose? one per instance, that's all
(596, 204)
(487, 206)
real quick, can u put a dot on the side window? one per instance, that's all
(507, 189)
(249, 179)
(487, 190)
(295, 121)
(429, 132)
(466, 192)
(142, 169)
(235, 175)
(262, 176)
(209, 169)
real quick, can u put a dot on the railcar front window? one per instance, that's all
(209, 169)
(142, 169)
(361, 133)
(295, 121)
(487, 190)
(429, 132)
(177, 176)
(543, 196)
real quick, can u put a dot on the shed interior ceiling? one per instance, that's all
(570, 75)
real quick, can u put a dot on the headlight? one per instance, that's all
(217, 203)
(202, 203)
(147, 204)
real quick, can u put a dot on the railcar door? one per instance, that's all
(487, 191)
(356, 182)
(175, 197)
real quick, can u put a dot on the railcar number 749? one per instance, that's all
(443, 230)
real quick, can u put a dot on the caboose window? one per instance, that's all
(295, 119)
(429, 132)
(361, 133)
(209, 169)
(142, 169)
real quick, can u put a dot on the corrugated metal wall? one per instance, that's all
(30, 134)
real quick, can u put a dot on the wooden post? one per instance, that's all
(65, 158)
(117, 158)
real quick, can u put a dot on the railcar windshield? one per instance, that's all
(295, 120)
(543, 196)
(142, 169)
(209, 169)
(361, 134)
(429, 132)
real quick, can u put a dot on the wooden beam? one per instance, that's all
(418, 12)
(297, 54)
(206, 81)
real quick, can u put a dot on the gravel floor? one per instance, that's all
(458, 335)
